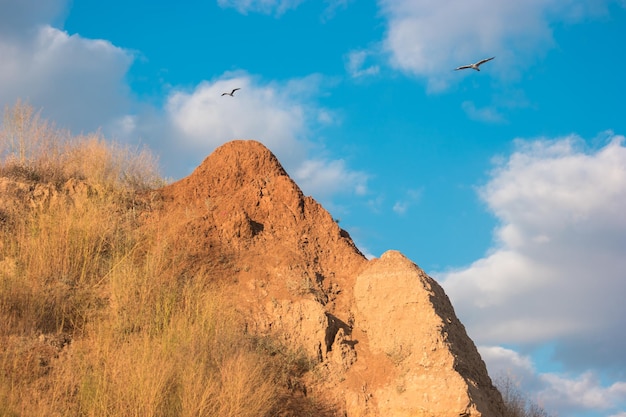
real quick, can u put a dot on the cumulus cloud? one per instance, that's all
(77, 82)
(584, 391)
(556, 270)
(272, 113)
(204, 119)
(573, 395)
(428, 38)
(503, 361)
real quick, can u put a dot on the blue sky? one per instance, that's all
(508, 185)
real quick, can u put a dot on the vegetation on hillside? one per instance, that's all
(95, 318)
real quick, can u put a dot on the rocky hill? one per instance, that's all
(382, 335)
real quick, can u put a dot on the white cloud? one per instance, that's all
(410, 197)
(356, 66)
(569, 395)
(428, 38)
(484, 114)
(503, 361)
(376, 204)
(332, 6)
(260, 6)
(278, 7)
(584, 391)
(323, 178)
(369, 255)
(204, 119)
(556, 271)
(79, 83)
(400, 207)
(273, 114)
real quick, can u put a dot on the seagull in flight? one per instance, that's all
(476, 65)
(231, 93)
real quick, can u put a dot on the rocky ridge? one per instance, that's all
(382, 333)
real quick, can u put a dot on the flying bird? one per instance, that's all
(231, 93)
(476, 65)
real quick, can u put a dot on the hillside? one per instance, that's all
(384, 334)
(226, 293)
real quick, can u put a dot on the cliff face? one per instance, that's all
(383, 334)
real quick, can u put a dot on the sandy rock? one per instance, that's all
(407, 316)
(299, 324)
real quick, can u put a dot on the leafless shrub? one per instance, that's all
(516, 402)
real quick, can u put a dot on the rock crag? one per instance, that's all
(383, 334)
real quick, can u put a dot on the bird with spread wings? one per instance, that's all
(475, 65)
(231, 93)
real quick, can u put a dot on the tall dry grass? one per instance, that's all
(96, 318)
(34, 149)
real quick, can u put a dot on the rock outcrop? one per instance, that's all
(384, 335)
(408, 317)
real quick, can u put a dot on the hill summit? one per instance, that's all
(381, 335)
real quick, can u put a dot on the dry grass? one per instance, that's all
(95, 317)
(33, 149)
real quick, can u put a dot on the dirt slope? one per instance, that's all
(383, 334)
